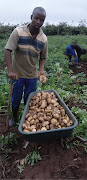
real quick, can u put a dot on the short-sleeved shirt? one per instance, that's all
(70, 51)
(26, 51)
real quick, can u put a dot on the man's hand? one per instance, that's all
(42, 77)
(13, 76)
(41, 73)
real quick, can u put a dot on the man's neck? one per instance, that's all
(33, 31)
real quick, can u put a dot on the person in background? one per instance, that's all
(76, 51)
(29, 43)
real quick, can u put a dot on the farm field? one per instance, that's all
(50, 159)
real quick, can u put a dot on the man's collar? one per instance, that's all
(26, 29)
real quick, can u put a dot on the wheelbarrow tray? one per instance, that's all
(48, 134)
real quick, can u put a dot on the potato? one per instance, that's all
(45, 117)
(38, 94)
(35, 116)
(45, 123)
(42, 79)
(34, 130)
(62, 124)
(48, 110)
(56, 104)
(49, 118)
(53, 101)
(25, 130)
(38, 110)
(37, 99)
(64, 121)
(47, 127)
(32, 107)
(44, 96)
(43, 129)
(59, 126)
(62, 111)
(56, 116)
(38, 125)
(52, 94)
(68, 124)
(43, 104)
(27, 115)
(54, 121)
(71, 122)
(28, 128)
(32, 122)
(36, 121)
(24, 126)
(48, 114)
(38, 130)
(51, 126)
(29, 119)
(48, 100)
(41, 119)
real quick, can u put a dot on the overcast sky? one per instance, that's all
(19, 11)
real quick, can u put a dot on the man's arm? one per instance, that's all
(41, 66)
(8, 60)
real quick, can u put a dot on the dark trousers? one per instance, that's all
(21, 86)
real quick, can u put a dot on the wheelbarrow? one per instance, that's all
(48, 134)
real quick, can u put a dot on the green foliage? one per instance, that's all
(81, 77)
(5, 158)
(32, 158)
(50, 30)
(77, 144)
(4, 90)
(20, 168)
(81, 115)
(2, 45)
(9, 139)
(5, 31)
(65, 29)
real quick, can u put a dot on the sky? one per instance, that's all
(19, 11)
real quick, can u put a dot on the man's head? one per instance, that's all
(38, 16)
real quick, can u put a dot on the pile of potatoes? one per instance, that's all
(45, 113)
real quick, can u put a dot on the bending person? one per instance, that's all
(76, 51)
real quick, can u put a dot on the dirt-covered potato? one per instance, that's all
(42, 79)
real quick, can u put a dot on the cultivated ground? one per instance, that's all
(57, 162)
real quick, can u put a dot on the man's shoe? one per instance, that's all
(11, 122)
(78, 67)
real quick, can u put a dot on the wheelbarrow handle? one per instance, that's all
(9, 104)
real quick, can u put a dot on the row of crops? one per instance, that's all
(59, 78)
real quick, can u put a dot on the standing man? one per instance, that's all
(28, 43)
(76, 51)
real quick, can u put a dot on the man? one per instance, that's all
(28, 43)
(76, 51)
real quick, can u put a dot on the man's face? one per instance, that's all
(37, 19)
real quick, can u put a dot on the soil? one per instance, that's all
(57, 161)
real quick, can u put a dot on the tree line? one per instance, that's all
(65, 29)
(61, 29)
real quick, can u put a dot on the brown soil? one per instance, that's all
(57, 162)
